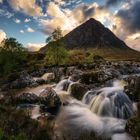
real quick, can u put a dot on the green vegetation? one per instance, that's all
(12, 56)
(20, 136)
(56, 53)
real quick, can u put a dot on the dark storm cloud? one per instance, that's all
(112, 2)
(115, 2)
(131, 17)
(88, 12)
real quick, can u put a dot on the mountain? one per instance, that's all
(92, 34)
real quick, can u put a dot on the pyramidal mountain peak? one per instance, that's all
(91, 34)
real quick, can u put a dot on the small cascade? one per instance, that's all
(63, 85)
(109, 101)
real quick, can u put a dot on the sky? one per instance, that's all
(32, 21)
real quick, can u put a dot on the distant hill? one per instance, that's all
(94, 35)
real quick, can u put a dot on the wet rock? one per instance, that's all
(49, 98)
(70, 70)
(132, 87)
(112, 73)
(27, 98)
(78, 90)
(38, 72)
(75, 77)
(24, 80)
(89, 77)
(48, 77)
(40, 81)
(73, 71)
(126, 68)
(133, 125)
(95, 77)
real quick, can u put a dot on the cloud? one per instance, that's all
(27, 20)
(2, 35)
(115, 2)
(1, 1)
(5, 13)
(112, 2)
(68, 19)
(125, 24)
(21, 31)
(133, 41)
(66, 2)
(28, 7)
(130, 17)
(32, 47)
(17, 21)
(59, 17)
(30, 30)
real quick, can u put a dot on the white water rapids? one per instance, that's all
(110, 101)
(102, 113)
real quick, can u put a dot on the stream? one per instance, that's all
(103, 111)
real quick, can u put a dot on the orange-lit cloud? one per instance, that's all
(28, 7)
(2, 35)
(34, 47)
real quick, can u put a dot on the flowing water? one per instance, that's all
(63, 85)
(101, 113)
(110, 101)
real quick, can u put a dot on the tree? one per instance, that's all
(12, 56)
(56, 52)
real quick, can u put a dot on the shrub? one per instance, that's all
(56, 53)
(12, 56)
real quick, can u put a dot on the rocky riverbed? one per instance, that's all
(91, 101)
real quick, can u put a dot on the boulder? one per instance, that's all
(133, 125)
(78, 90)
(24, 80)
(40, 81)
(27, 98)
(89, 77)
(132, 87)
(49, 98)
(48, 77)
(126, 68)
(93, 77)
(75, 77)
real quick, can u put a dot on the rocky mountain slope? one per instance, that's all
(91, 34)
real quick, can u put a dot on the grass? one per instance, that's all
(114, 54)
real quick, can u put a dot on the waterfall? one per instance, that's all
(109, 101)
(63, 85)
(75, 121)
